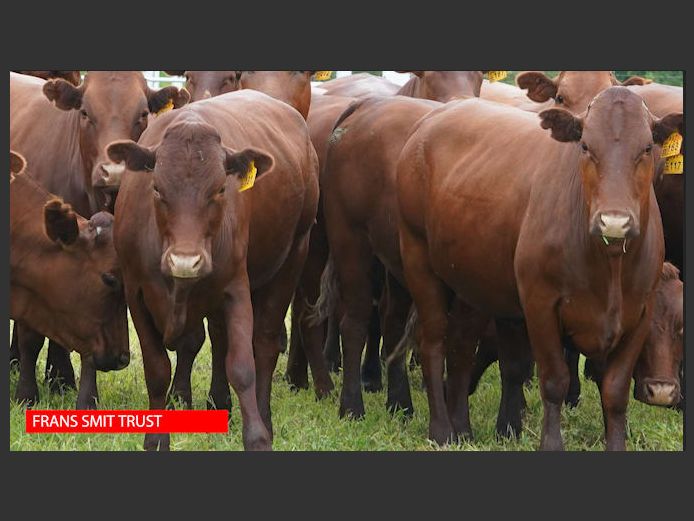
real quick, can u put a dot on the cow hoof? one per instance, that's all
(219, 403)
(551, 445)
(27, 398)
(508, 430)
(159, 442)
(392, 406)
(572, 401)
(296, 382)
(256, 438)
(353, 412)
(441, 433)
(86, 404)
(372, 385)
(324, 390)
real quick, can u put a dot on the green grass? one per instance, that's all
(303, 423)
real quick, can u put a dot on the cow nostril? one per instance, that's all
(614, 225)
(661, 393)
(124, 360)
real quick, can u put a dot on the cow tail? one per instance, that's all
(327, 300)
(407, 341)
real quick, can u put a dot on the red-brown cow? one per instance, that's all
(194, 247)
(65, 283)
(360, 85)
(292, 87)
(65, 145)
(522, 226)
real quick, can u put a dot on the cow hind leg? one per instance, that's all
(187, 349)
(371, 368)
(59, 372)
(219, 396)
(14, 349)
(574, 394)
(297, 363)
(332, 349)
(487, 353)
(397, 307)
(30, 343)
(514, 360)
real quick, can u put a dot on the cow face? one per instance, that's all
(656, 375)
(83, 287)
(571, 90)
(194, 178)
(615, 139)
(205, 84)
(445, 86)
(292, 87)
(110, 106)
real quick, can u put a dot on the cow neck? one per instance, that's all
(78, 168)
(178, 313)
(410, 88)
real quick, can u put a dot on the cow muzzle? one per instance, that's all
(658, 392)
(614, 225)
(109, 174)
(112, 362)
(186, 265)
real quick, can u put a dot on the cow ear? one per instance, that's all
(60, 222)
(565, 126)
(662, 128)
(166, 98)
(65, 95)
(540, 87)
(636, 80)
(136, 157)
(239, 163)
(17, 163)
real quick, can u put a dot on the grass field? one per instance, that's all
(302, 423)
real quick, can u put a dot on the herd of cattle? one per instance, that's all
(467, 219)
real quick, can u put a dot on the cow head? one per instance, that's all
(615, 138)
(194, 178)
(83, 287)
(71, 76)
(656, 375)
(17, 164)
(205, 84)
(110, 106)
(571, 90)
(445, 86)
(292, 87)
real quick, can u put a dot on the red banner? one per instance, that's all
(126, 421)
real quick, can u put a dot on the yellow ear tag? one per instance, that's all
(674, 165)
(322, 75)
(248, 180)
(672, 145)
(496, 75)
(166, 107)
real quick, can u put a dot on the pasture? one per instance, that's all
(302, 423)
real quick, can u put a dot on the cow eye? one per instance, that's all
(648, 149)
(584, 147)
(156, 192)
(221, 190)
(144, 114)
(559, 99)
(110, 280)
(84, 114)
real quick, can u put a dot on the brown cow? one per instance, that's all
(73, 77)
(65, 283)
(443, 86)
(360, 85)
(292, 87)
(522, 226)
(65, 147)
(194, 247)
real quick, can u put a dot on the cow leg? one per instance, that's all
(239, 363)
(553, 373)
(187, 348)
(332, 350)
(270, 304)
(514, 360)
(615, 383)
(487, 353)
(371, 367)
(465, 326)
(219, 396)
(353, 260)
(574, 394)
(397, 307)
(14, 348)
(156, 364)
(59, 372)
(297, 363)
(30, 343)
(432, 300)
(88, 396)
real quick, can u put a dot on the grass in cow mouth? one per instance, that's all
(302, 423)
